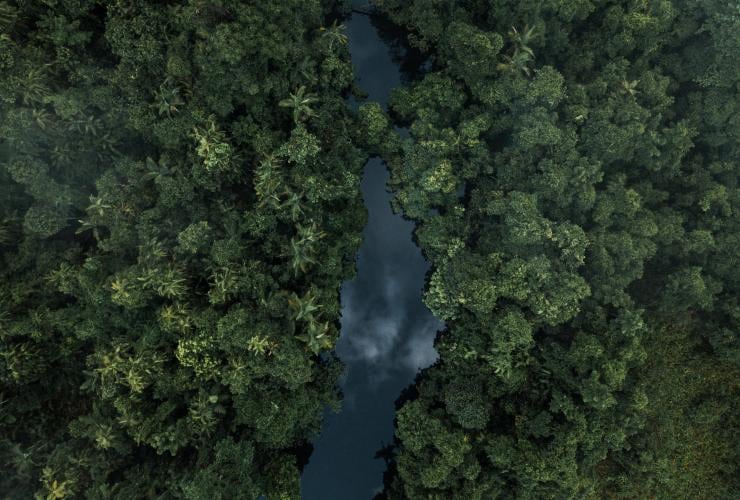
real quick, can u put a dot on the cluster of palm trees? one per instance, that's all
(303, 246)
(272, 193)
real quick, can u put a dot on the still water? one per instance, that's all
(387, 332)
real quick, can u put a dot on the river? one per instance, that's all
(387, 333)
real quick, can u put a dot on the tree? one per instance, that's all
(301, 103)
(595, 192)
(148, 349)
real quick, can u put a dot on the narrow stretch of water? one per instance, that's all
(387, 332)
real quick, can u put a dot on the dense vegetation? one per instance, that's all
(170, 173)
(179, 204)
(573, 169)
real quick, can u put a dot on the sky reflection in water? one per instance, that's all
(387, 332)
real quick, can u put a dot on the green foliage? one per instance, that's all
(567, 169)
(212, 147)
(301, 103)
(179, 204)
(374, 122)
(157, 212)
(472, 52)
(688, 444)
(522, 55)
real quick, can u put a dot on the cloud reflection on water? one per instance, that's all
(387, 332)
(385, 327)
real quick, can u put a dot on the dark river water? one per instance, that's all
(387, 332)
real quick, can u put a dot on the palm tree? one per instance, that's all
(172, 284)
(293, 204)
(303, 247)
(267, 181)
(167, 98)
(523, 55)
(97, 205)
(302, 252)
(41, 117)
(156, 171)
(301, 103)
(303, 308)
(35, 88)
(517, 63)
(629, 87)
(316, 336)
(310, 233)
(523, 39)
(335, 35)
(261, 345)
(225, 284)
